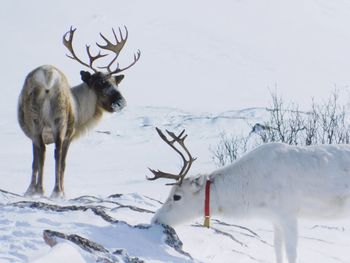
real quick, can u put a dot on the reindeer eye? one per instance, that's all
(177, 197)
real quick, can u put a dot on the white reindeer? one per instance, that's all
(49, 111)
(276, 182)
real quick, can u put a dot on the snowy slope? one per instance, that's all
(116, 154)
(109, 201)
(204, 65)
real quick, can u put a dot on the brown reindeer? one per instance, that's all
(49, 111)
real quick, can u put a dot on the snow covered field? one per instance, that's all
(205, 67)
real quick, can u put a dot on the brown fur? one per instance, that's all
(49, 111)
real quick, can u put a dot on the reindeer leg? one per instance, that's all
(290, 233)
(35, 167)
(36, 185)
(39, 189)
(57, 191)
(278, 242)
(65, 148)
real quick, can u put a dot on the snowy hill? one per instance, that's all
(110, 203)
(205, 67)
(117, 153)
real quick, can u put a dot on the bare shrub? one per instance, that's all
(325, 123)
(332, 126)
(285, 124)
(228, 149)
(311, 126)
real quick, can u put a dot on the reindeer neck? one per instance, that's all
(214, 195)
(225, 192)
(87, 111)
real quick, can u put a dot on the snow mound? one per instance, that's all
(116, 229)
(62, 252)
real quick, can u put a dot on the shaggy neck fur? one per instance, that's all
(230, 192)
(87, 111)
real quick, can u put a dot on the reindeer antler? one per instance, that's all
(69, 45)
(115, 48)
(180, 139)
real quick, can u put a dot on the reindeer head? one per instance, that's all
(104, 84)
(181, 204)
(106, 89)
(184, 203)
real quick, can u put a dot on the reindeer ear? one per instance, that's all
(197, 183)
(118, 79)
(85, 76)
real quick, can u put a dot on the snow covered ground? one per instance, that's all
(110, 202)
(205, 67)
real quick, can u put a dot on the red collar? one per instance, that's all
(207, 204)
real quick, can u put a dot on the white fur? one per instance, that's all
(276, 182)
(47, 81)
(86, 115)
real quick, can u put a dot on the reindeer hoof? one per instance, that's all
(29, 192)
(57, 194)
(33, 191)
